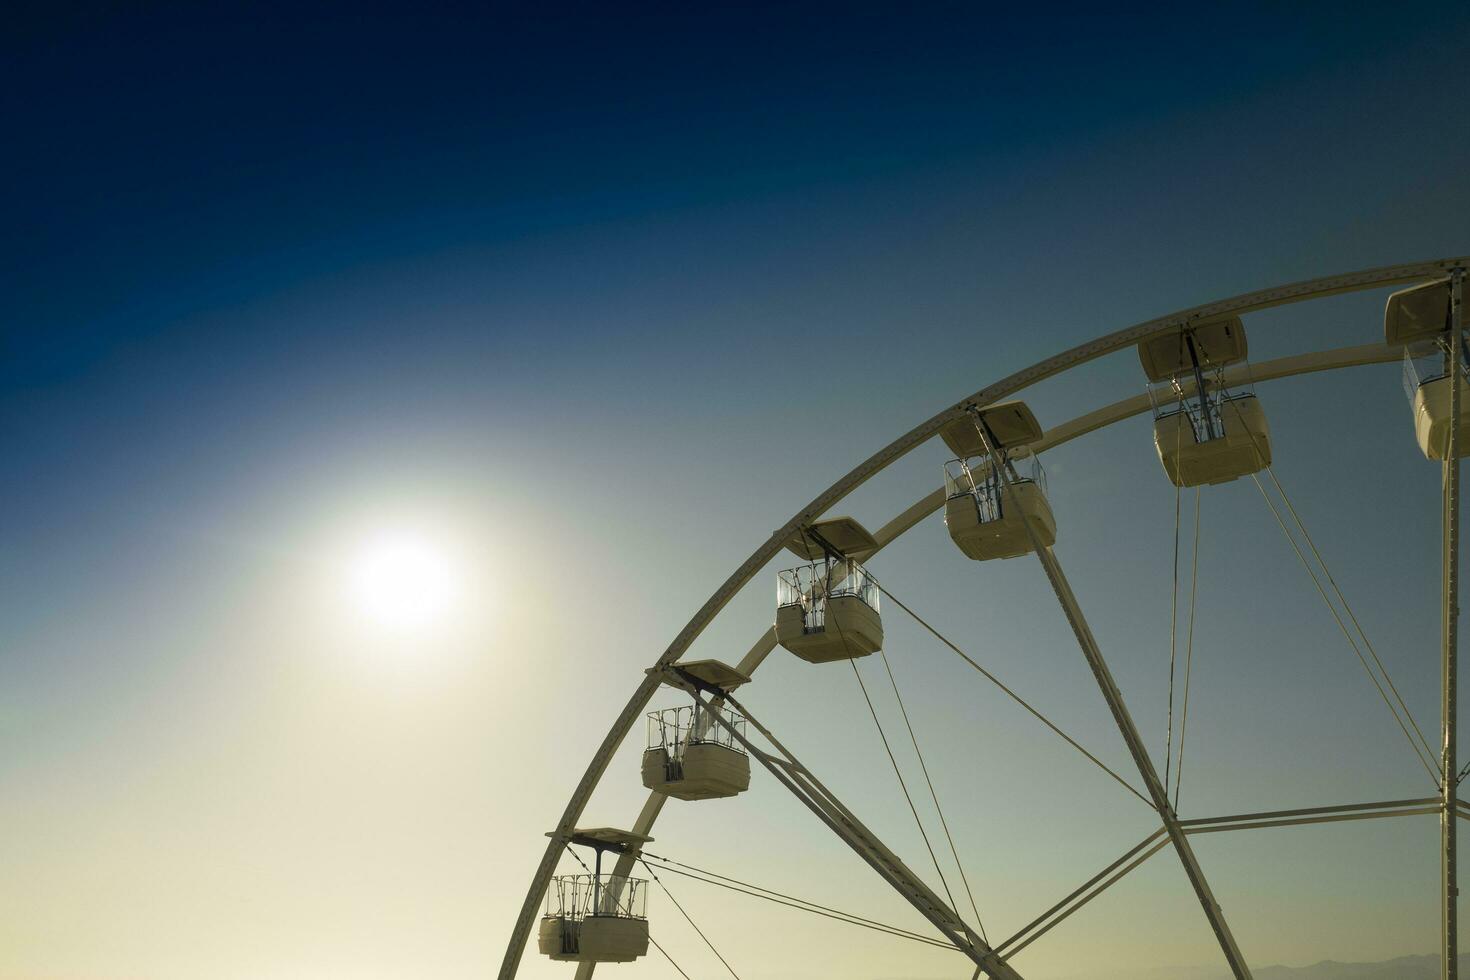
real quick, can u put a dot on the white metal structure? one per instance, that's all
(985, 518)
(969, 416)
(689, 757)
(1204, 432)
(596, 917)
(1419, 318)
(828, 611)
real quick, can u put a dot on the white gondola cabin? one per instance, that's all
(1418, 318)
(1204, 432)
(986, 518)
(691, 756)
(597, 918)
(828, 610)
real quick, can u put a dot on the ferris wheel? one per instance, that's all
(1209, 428)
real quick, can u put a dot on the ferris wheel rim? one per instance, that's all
(1271, 297)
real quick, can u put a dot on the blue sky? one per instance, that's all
(601, 297)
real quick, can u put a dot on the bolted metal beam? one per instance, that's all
(1450, 605)
(805, 786)
(1114, 698)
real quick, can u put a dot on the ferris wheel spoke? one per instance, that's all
(1072, 609)
(1016, 697)
(934, 795)
(799, 780)
(666, 955)
(1084, 893)
(1426, 759)
(1311, 815)
(1450, 655)
(903, 786)
(790, 901)
(688, 918)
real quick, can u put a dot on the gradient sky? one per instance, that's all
(597, 298)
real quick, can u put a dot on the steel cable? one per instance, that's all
(903, 786)
(669, 864)
(1174, 595)
(1173, 636)
(1428, 767)
(1188, 651)
(687, 917)
(669, 958)
(935, 797)
(1348, 608)
(1435, 771)
(778, 898)
(1014, 696)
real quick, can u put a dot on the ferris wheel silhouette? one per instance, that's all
(1209, 428)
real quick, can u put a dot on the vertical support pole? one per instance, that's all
(1121, 716)
(597, 885)
(1449, 710)
(1201, 391)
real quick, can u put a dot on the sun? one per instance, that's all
(403, 581)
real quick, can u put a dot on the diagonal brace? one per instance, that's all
(1114, 697)
(805, 786)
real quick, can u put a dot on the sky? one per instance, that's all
(581, 303)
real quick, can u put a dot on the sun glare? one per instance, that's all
(402, 581)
